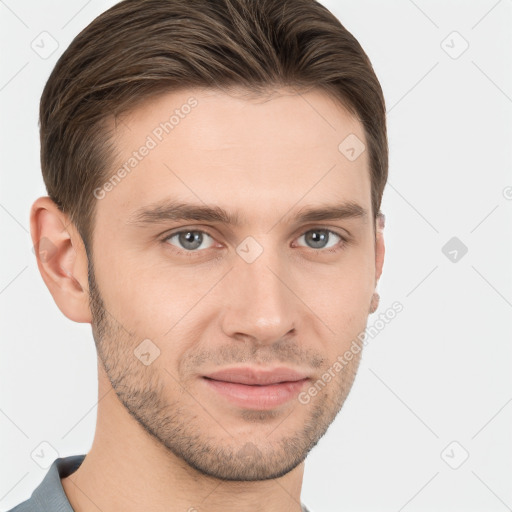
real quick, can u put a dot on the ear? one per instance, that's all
(379, 259)
(379, 245)
(61, 259)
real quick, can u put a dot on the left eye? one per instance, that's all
(319, 237)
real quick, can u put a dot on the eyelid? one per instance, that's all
(177, 231)
(337, 230)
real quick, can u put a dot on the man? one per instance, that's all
(215, 170)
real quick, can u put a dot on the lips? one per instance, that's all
(257, 377)
(257, 389)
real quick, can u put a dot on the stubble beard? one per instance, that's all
(184, 428)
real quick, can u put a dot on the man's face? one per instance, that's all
(270, 292)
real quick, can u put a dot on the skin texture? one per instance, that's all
(164, 440)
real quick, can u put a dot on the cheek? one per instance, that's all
(341, 299)
(345, 286)
(159, 302)
(132, 295)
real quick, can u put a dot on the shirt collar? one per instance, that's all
(49, 494)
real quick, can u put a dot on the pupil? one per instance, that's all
(317, 237)
(191, 239)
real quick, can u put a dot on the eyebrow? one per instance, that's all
(177, 211)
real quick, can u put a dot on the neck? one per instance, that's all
(128, 469)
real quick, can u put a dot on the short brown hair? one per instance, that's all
(140, 48)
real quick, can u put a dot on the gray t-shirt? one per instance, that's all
(49, 495)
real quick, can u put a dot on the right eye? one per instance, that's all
(189, 240)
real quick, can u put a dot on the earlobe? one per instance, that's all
(61, 259)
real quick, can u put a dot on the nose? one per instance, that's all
(258, 301)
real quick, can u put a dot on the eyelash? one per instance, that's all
(194, 253)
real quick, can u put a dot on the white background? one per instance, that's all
(439, 372)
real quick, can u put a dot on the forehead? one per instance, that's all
(219, 119)
(237, 151)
